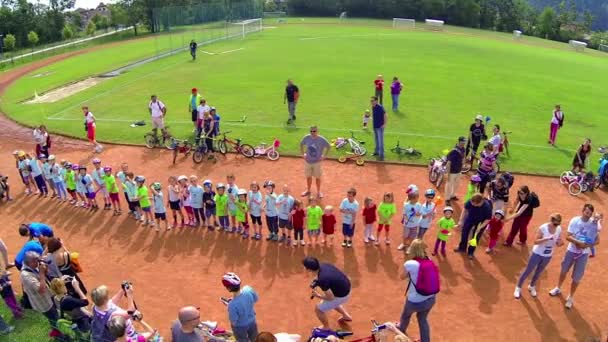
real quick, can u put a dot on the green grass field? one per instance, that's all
(34, 327)
(449, 77)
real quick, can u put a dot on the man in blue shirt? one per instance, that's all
(30, 246)
(240, 308)
(37, 230)
(379, 118)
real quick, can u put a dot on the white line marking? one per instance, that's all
(313, 38)
(207, 52)
(304, 127)
(229, 51)
(350, 36)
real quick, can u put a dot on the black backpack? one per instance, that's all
(508, 178)
(534, 200)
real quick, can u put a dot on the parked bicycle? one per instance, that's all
(409, 151)
(201, 150)
(271, 152)
(154, 140)
(224, 145)
(437, 170)
(180, 146)
(579, 183)
(354, 145)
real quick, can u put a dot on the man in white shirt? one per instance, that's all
(202, 109)
(496, 139)
(157, 111)
(582, 235)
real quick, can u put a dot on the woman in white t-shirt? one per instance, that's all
(89, 124)
(557, 121)
(547, 238)
(416, 303)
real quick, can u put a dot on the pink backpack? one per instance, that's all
(428, 282)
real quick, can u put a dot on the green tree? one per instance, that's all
(588, 19)
(270, 6)
(10, 42)
(32, 39)
(118, 16)
(91, 28)
(548, 25)
(67, 32)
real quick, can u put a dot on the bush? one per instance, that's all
(9, 42)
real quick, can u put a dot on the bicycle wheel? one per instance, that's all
(168, 142)
(247, 150)
(575, 189)
(466, 167)
(221, 146)
(273, 155)
(151, 140)
(342, 159)
(563, 178)
(187, 148)
(416, 154)
(433, 176)
(360, 161)
(439, 180)
(198, 156)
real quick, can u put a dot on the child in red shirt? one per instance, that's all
(328, 221)
(297, 222)
(369, 218)
(495, 227)
(379, 88)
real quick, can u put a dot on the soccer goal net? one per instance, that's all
(577, 45)
(603, 48)
(343, 16)
(402, 23)
(246, 27)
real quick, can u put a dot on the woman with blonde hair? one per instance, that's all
(71, 307)
(547, 238)
(416, 303)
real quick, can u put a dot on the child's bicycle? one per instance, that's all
(213, 333)
(180, 146)
(437, 170)
(154, 140)
(409, 152)
(357, 151)
(200, 151)
(271, 152)
(355, 145)
(224, 143)
(578, 183)
(378, 331)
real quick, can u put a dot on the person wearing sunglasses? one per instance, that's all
(314, 148)
(184, 328)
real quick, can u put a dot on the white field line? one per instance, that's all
(237, 124)
(207, 52)
(229, 51)
(66, 44)
(349, 36)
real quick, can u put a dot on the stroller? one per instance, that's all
(602, 172)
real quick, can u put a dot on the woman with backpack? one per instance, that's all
(525, 204)
(62, 258)
(422, 287)
(71, 307)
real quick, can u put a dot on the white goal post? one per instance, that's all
(276, 14)
(603, 47)
(517, 34)
(434, 24)
(577, 45)
(248, 26)
(404, 23)
(343, 16)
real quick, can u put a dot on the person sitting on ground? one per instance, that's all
(240, 308)
(118, 329)
(106, 308)
(184, 328)
(70, 306)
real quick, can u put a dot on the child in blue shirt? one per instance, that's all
(241, 310)
(160, 212)
(254, 199)
(270, 209)
(196, 201)
(284, 205)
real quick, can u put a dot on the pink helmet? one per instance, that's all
(107, 168)
(75, 167)
(96, 161)
(475, 179)
(231, 280)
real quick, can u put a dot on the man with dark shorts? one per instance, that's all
(193, 47)
(292, 94)
(195, 99)
(582, 235)
(335, 286)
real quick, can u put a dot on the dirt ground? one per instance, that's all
(184, 266)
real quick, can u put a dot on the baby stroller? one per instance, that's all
(602, 172)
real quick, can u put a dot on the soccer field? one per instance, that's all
(449, 77)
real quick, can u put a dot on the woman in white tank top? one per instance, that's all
(547, 238)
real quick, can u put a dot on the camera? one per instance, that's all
(136, 315)
(313, 285)
(126, 285)
(68, 279)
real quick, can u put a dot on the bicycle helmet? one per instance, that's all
(157, 186)
(220, 186)
(207, 182)
(51, 157)
(67, 165)
(20, 154)
(412, 188)
(269, 183)
(231, 280)
(475, 179)
(82, 167)
(500, 211)
(107, 168)
(16, 152)
(140, 179)
(181, 178)
(429, 193)
(75, 167)
(96, 161)
(242, 192)
(42, 156)
(450, 209)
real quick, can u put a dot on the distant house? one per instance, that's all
(87, 14)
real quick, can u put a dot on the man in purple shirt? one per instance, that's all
(379, 118)
(396, 88)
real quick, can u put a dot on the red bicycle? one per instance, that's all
(180, 146)
(224, 144)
